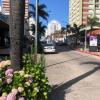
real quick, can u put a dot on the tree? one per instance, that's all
(41, 14)
(68, 28)
(41, 11)
(41, 28)
(93, 22)
(17, 9)
(63, 29)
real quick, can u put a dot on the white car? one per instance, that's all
(49, 48)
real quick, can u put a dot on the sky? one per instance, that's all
(57, 9)
(0, 2)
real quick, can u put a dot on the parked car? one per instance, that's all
(49, 48)
(61, 43)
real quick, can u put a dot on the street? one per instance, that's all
(73, 75)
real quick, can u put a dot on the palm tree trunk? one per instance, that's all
(17, 11)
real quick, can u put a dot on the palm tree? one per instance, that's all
(17, 9)
(41, 28)
(93, 22)
(63, 29)
(41, 14)
(41, 11)
(68, 29)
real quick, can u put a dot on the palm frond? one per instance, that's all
(32, 6)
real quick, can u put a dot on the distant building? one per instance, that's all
(0, 8)
(80, 10)
(31, 22)
(52, 27)
(4, 22)
(6, 7)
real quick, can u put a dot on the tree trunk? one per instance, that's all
(17, 11)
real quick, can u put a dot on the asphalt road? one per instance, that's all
(73, 75)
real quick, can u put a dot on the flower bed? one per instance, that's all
(30, 83)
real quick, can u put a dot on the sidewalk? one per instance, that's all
(88, 52)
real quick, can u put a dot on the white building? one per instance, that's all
(80, 10)
(52, 27)
(0, 8)
(6, 7)
(31, 21)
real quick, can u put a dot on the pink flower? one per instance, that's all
(9, 71)
(11, 96)
(3, 98)
(5, 63)
(30, 80)
(21, 98)
(9, 75)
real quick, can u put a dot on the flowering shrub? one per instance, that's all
(29, 83)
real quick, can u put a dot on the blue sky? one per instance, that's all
(0, 2)
(58, 10)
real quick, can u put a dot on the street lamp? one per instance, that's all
(85, 44)
(36, 31)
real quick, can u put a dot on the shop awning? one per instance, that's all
(94, 32)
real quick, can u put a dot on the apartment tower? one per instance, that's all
(80, 10)
(6, 7)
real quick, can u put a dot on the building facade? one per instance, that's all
(52, 27)
(6, 7)
(80, 10)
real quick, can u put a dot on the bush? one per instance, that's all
(30, 83)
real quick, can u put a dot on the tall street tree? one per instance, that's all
(17, 10)
(41, 11)
(93, 22)
(42, 14)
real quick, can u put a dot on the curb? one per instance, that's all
(87, 52)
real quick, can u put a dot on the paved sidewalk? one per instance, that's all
(88, 52)
(73, 75)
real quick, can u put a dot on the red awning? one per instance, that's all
(94, 32)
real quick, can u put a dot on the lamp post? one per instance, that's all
(36, 31)
(85, 44)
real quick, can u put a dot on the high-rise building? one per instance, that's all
(80, 10)
(6, 7)
(52, 27)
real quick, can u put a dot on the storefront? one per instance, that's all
(4, 33)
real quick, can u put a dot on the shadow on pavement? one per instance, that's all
(66, 61)
(59, 91)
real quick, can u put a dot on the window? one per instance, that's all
(96, 0)
(97, 5)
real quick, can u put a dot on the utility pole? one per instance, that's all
(36, 31)
(85, 44)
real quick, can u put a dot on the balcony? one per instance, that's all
(91, 3)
